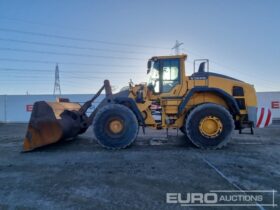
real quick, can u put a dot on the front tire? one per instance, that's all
(115, 126)
(209, 126)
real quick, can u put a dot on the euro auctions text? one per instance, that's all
(223, 198)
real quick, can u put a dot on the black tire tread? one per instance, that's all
(106, 108)
(199, 108)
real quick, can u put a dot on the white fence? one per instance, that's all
(16, 108)
(270, 100)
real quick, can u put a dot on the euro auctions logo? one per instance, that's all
(192, 198)
(224, 198)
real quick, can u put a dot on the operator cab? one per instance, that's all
(164, 73)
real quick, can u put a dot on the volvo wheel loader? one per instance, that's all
(205, 106)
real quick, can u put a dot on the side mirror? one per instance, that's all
(149, 65)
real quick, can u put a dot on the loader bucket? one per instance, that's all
(51, 122)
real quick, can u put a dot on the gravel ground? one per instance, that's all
(79, 174)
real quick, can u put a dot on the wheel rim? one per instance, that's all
(210, 126)
(116, 126)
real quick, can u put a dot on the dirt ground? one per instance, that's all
(80, 174)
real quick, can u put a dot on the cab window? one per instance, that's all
(154, 77)
(170, 74)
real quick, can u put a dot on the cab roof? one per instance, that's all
(182, 56)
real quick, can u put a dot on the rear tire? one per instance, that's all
(115, 126)
(209, 126)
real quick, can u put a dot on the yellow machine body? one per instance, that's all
(171, 100)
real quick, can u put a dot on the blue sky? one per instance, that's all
(241, 39)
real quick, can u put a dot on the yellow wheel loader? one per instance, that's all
(205, 106)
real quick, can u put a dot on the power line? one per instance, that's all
(41, 24)
(48, 52)
(80, 71)
(65, 63)
(65, 53)
(85, 72)
(43, 78)
(103, 65)
(77, 82)
(74, 75)
(80, 39)
(230, 69)
(69, 46)
(74, 80)
(79, 77)
(44, 84)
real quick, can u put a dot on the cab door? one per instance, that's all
(170, 86)
(170, 77)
